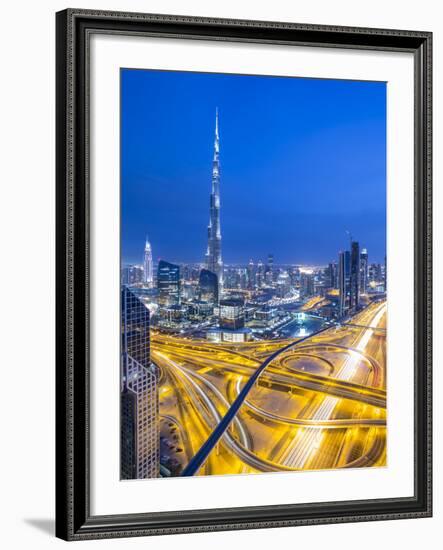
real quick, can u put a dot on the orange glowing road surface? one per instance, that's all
(319, 405)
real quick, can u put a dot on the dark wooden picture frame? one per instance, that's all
(73, 517)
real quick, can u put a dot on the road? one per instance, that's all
(319, 404)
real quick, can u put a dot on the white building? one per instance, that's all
(148, 265)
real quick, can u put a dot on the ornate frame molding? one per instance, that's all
(74, 28)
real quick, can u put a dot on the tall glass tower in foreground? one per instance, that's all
(139, 416)
(214, 260)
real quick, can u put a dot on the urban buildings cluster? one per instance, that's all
(194, 299)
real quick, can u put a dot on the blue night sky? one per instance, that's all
(302, 161)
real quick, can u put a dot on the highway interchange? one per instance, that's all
(319, 404)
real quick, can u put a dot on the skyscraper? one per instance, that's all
(283, 283)
(251, 275)
(168, 284)
(355, 276)
(269, 272)
(214, 260)
(147, 264)
(375, 275)
(307, 285)
(260, 274)
(344, 283)
(139, 428)
(208, 286)
(232, 314)
(364, 271)
(332, 278)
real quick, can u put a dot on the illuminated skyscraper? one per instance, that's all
(168, 284)
(283, 284)
(269, 271)
(355, 276)
(251, 275)
(139, 428)
(364, 271)
(232, 314)
(147, 264)
(214, 260)
(260, 274)
(344, 282)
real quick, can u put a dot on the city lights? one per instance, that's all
(311, 338)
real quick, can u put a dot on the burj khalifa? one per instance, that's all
(214, 260)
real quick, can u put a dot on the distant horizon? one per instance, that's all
(126, 263)
(303, 163)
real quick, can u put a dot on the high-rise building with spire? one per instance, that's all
(214, 260)
(147, 264)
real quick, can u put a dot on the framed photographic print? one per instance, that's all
(243, 274)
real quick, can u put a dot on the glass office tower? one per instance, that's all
(139, 429)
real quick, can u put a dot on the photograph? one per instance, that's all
(254, 276)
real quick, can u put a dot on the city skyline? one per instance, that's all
(235, 356)
(292, 233)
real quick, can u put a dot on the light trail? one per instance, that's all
(215, 390)
(307, 441)
(338, 423)
(238, 448)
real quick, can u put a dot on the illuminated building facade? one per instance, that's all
(238, 336)
(148, 267)
(251, 275)
(232, 315)
(260, 279)
(364, 271)
(269, 272)
(168, 284)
